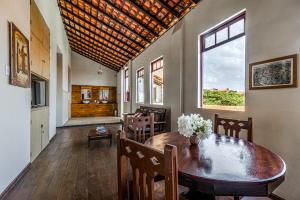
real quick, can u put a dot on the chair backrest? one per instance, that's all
(146, 164)
(233, 127)
(139, 126)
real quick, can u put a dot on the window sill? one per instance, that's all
(224, 108)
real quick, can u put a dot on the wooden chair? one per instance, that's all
(146, 163)
(141, 127)
(233, 127)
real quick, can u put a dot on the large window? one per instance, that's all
(126, 85)
(140, 85)
(222, 67)
(157, 81)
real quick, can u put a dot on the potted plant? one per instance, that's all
(194, 127)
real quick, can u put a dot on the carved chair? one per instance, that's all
(160, 117)
(146, 163)
(139, 128)
(233, 127)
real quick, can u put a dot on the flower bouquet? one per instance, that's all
(194, 127)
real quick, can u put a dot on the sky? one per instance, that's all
(224, 66)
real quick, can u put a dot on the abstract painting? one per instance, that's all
(275, 73)
(19, 58)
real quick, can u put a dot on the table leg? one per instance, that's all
(110, 140)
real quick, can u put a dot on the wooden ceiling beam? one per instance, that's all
(153, 17)
(132, 31)
(169, 8)
(131, 18)
(99, 45)
(120, 62)
(99, 36)
(73, 47)
(95, 59)
(93, 38)
(87, 49)
(93, 44)
(92, 52)
(79, 17)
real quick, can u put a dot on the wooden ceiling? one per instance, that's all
(112, 32)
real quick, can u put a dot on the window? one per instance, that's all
(126, 86)
(157, 81)
(140, 85)
(222, 66)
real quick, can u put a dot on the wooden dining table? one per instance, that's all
(224, 166)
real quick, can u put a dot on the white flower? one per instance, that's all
(188, 125)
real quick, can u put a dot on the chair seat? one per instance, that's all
(147, 130)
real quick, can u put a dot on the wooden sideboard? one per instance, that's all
(92, 109)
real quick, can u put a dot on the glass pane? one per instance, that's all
(222, 35)
(224, 76)
(157, 86)
(210, 41)
(140, 90)
(237, 28)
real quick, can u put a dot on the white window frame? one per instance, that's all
(151, 81)
(136, 85)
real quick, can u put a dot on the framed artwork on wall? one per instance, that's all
(275, 73)
(19, 58)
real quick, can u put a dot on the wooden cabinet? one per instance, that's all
(93, 110)
(39, 131)
(39, 43)
(78, 109)
(35, 55)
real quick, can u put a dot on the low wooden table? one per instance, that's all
(94, 135)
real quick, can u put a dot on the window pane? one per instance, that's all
(224, 76)
(210, 41)
(140, 89)
(237, 28)
(157, 86)
(126, 86)
(222, 35)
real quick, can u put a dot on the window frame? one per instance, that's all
(214, 31)
(126, 76)
(161, 58)
(137, 88)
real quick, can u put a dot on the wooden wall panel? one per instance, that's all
(78, 109)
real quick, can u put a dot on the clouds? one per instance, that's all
(224, 66)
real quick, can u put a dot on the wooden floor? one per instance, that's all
(68, 170)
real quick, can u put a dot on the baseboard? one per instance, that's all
(14, 182)
(85, 125)
(51, 140)
(275, 197)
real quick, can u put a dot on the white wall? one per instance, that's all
(15, 101)
(84, 72)
(15, 104)
(273, 28)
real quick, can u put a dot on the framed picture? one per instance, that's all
(19, 58)
(275, 73)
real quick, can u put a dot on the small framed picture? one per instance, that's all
(275, 73)
(19, 58)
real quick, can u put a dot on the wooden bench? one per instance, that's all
(160, 117)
